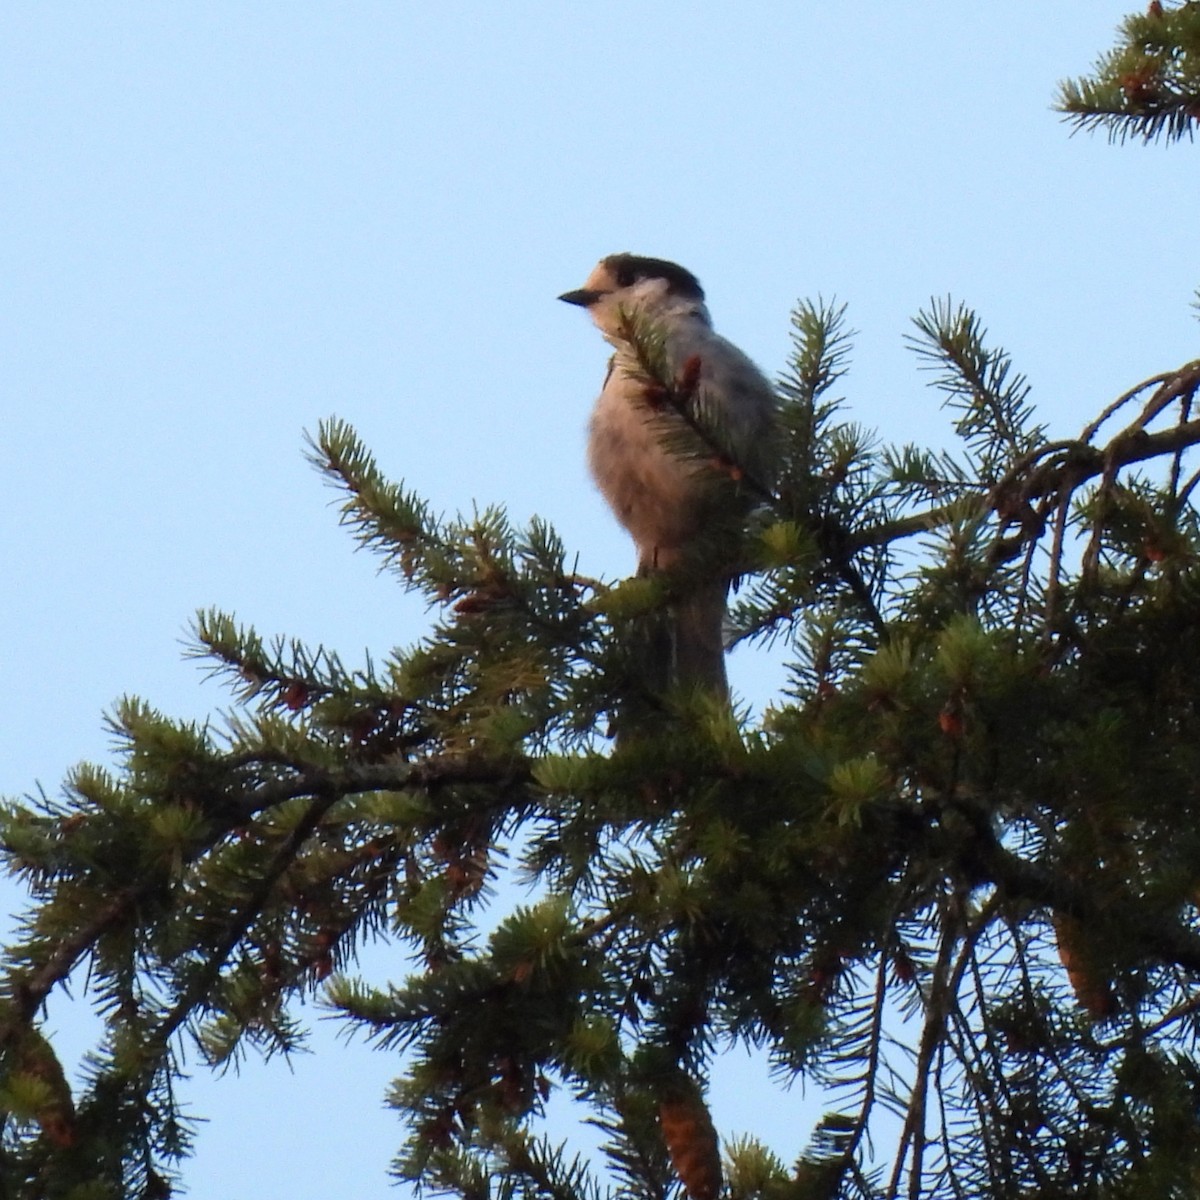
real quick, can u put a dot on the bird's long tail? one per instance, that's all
(684, 643)
(699, 650)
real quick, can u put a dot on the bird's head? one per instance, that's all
(623, 283)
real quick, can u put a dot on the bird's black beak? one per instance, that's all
(584, 297)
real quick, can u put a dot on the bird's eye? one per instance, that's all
(626, 276)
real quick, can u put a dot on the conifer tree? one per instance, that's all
(952, 874)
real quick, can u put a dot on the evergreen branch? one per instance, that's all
(287, 673)
(679, 396)
(871, 1066)
(1180, 385)
(545, 1171)
(1137, 107)
(995, 408)
(821, 347)
(1032, 982)
(1134, 1037)
(430, 775)
(384, 517)
(1185, 492)
(1073, 464)
(1029, 993)
(1020, 879)
(1185, 406)
(32, 990)
(325, 786)
(941, 1004)
(1057, 546)
(241, 919)
(987, 1090)
(852, 578)
(1149, 85)
(940, 990)
(1093, 427)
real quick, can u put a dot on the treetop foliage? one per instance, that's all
(1149, 85)
(951, 875)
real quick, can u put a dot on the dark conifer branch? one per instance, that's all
(1148, 86)
(353, 779)
(1068, 466)
(1021, 879)
(194, 996)
(682, 395)
(30, 991)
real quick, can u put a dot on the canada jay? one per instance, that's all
(683, 510)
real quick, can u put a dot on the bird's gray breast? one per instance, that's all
(664, 499)
(653, 492)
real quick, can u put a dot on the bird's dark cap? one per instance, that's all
(619, 271)
(627, 269)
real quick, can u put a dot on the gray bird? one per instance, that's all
(682, 510)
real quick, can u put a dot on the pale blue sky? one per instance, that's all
(224, 221)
